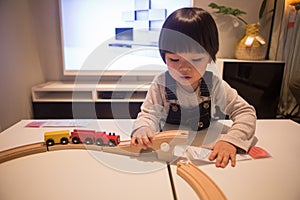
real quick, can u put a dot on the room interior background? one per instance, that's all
(31, 49)
(285, 45)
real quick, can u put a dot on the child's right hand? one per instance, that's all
(143, 136)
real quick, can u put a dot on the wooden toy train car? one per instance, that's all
(99, 138)
(77, 136)
(57, 137)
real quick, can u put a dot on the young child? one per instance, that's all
(185, 93)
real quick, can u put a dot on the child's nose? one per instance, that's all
(185, 66)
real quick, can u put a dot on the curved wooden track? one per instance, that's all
(205, 188)
(202, 184)
(173, 138)
(21, 151)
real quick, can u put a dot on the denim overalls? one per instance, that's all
(195, 118)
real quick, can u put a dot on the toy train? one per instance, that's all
(77, 136)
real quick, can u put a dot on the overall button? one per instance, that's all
(206, 105)
(200, 124)
(174, 108)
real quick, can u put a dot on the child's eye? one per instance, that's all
(196, 59)
(174, 59)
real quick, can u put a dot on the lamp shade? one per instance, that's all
(293, 2)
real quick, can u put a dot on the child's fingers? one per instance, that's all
(150, 135)
(146, 141)
(143, 137)
(223, 161)
(233, 159)
(140, 141)
(213, 155)
(133, 142)
(220, 160)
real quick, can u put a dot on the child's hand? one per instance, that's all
(143, 136)
(223, 152)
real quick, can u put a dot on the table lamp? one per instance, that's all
(295, 3)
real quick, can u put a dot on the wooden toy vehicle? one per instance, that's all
(99, 138)
(57, 137)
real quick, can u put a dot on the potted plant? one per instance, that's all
(252, 46)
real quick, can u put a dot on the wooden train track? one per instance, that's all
(22, 151)
(164, 144)
(170, 138)
(202, 184)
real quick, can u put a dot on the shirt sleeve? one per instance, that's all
(152, 110)
(243, 115)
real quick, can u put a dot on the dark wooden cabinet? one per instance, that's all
(258, 82)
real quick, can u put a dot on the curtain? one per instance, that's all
(285, 46)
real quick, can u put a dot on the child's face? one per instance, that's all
(187, 68)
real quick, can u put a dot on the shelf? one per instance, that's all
(87, 92)
(121, 95)
(63, 96)
(258, 82)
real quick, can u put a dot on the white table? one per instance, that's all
(277, 177)
(79, 174)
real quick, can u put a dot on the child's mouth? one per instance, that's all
(186, 77)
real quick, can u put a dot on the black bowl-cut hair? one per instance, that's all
(189, 30)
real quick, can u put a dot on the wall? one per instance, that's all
(20, 66)
(30, 51)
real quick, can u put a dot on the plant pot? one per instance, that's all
(252, 46)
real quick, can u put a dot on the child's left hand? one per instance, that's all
(223, 152)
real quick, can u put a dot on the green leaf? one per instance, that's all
(262, 8)
(228, 11)
(213, 5)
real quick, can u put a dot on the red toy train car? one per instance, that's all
(99, 138)
(77, 136)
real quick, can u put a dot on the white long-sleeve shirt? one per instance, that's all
(155, 109)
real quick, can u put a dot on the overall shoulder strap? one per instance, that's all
(170, 87)
(206, 84)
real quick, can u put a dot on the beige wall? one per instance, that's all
(30, 50)
(20, 66)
